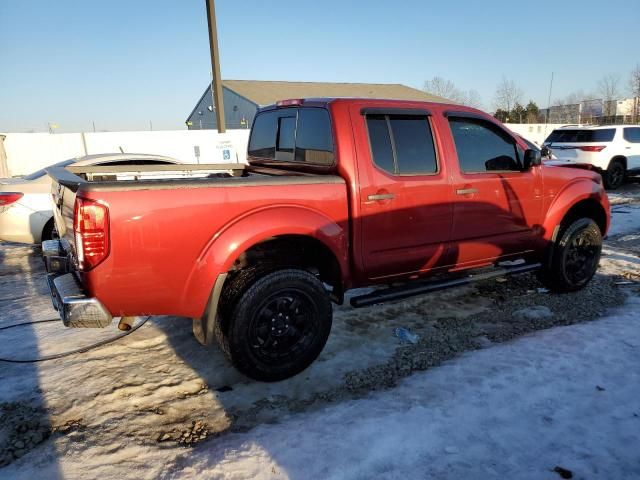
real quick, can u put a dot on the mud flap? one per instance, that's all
(204, 327)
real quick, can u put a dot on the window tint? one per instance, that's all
(380, 142)
(288, 134)
(314, 142)
(483, 147)
(415, 152)
(632, 135)
(565, 135)
(263, 135)
(410, 142)
(286, 138)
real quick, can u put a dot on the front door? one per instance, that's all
(497, 204)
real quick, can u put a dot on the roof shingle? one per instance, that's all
(267, 92)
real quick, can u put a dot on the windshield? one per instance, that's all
(41, 173)
(579, 136)
(531, 145)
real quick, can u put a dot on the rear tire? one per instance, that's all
(575, 256)
(614, 176)
(277, 326)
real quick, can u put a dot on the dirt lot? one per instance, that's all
(159, 390)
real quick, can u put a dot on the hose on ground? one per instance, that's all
(71, 352)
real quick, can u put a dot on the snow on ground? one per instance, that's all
(156, 404)
(625, 219)
(566, 397)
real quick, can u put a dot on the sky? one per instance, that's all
(135, 65)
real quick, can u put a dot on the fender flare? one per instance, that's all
(235, 238)
(567, 198)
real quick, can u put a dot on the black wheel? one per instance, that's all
(575, 256)
(614, 176)
(47, 231)
(278, 326)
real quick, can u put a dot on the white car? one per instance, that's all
(614, 150)
(26, 214)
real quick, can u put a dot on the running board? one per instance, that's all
(419, 287)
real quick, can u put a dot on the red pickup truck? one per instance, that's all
(337, 194)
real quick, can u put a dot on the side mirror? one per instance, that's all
(532, 158)
(545, 152)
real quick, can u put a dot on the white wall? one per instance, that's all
(27, 152)
(534, 132)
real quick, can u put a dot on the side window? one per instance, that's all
(380, 141)
(632, 135)
(402, 144)
(483, 147)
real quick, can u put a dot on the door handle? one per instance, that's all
(381, 196)
(466, 191)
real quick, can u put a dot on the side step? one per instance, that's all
(419, 287)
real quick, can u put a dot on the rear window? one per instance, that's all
(301, 135)
(579, 136)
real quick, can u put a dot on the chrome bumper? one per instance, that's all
(68, 298)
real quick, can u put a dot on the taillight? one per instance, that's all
(593, 148)
(91, 228)
(7, 198)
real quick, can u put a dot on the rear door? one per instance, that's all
(498, 205)
(405, 216)
(632, 147)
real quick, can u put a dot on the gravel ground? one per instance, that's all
(160, 390)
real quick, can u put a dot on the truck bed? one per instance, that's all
(166, 219)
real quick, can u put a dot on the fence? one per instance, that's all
(27, 152)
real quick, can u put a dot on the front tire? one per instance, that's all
(575, 256)
(614, 176)
(278, 326)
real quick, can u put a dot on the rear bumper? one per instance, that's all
(76, 309)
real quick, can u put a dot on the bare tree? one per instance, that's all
(508, 94)
(634, 81)
(447, 89)
(473, 99)
(608, 87)
(444, 88)
(634, 87)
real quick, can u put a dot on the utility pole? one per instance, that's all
(215, 66)
(546, 118)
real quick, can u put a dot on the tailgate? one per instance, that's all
(63, 192)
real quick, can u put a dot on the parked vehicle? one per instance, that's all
(25, 202)
(338, 194)
(546, 154)
(613, 151)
